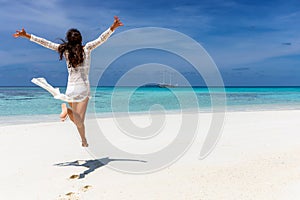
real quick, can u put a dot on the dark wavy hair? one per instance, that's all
(73, 47)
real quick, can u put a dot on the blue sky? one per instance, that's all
(253, 43)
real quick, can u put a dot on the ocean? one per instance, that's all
(32, 104)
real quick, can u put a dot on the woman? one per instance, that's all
(78, 58)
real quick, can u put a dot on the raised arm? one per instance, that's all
(41, 41)
(105, 35)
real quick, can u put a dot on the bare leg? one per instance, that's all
(70, 113)
(77, 115)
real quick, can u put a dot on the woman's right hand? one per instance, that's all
(21, 33)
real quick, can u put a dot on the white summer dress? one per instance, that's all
(78, 87)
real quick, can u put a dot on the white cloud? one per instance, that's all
(251, 39)
(50, 16)
(238, 51)
(232, 32)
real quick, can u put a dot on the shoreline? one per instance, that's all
(48, 118)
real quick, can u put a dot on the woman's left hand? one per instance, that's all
(116, 23)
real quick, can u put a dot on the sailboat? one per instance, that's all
(164, 84)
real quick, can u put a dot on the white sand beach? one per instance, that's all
(257, 157)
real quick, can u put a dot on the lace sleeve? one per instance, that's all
(45, 43)
(100, 40)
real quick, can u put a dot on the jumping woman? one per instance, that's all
(78, 59)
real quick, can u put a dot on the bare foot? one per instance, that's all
(64, 112)
(84, 143)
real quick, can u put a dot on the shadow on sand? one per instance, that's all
(92, 165)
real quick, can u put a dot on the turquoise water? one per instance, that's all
(34, 101)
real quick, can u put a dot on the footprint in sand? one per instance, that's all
(86, 188)
(74, 196)
(69, 196)
(74, 176)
